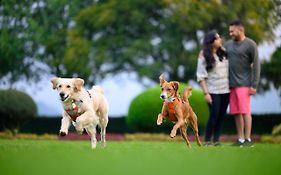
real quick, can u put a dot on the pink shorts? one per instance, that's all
(240, 100)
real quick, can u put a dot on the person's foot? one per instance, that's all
(238, 143)
(248, 143)
(208, 144)
(217, 144)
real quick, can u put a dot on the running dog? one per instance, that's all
(85, 109)
(177, 110)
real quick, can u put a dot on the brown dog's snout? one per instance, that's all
(163, 95)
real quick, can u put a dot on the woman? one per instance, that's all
(212, 75)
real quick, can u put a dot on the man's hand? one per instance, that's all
(253, 91)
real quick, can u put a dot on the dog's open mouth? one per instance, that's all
(64, 98)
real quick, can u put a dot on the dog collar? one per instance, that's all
(170, 99)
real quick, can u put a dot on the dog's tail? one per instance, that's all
(97, 89)
(187, 93)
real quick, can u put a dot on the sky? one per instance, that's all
(120, 90)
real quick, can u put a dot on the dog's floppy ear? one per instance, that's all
(54, 82)
(162, 80)
(78, 83)
(175, 85)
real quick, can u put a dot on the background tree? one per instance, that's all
(50, 22)
(151, 37)
(15, 48)
(92, 39)
(271, 72)
(33, 32)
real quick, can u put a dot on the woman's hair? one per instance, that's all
(207, 50)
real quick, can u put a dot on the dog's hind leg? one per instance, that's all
(91, 130)
(194, 127)
(103, 125)
(184, 135)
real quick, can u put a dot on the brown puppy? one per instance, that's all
(177, 110)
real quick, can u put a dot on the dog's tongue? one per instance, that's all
(63, 98)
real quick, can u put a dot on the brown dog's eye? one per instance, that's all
(68, 86)
(162, 89)
(169, 89)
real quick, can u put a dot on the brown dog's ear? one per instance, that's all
(175, 85)
(78, 83)
(162, 80)
(54, 82)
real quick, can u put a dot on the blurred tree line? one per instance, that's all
(95, 38)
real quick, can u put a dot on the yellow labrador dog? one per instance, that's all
(85, 109)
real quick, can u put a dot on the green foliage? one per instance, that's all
(155, 36)
(33, 31)
(144, 109)
(16, 108)
(51, 24)
(271, 72)
(15, 47)
(92, 39)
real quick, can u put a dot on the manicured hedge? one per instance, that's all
(16, 108)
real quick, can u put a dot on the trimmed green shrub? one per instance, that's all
(144, 108)
(16, 108)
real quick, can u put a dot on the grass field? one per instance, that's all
(31, 157)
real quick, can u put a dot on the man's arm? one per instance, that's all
(255, 68)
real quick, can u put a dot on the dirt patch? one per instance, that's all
(75, 136)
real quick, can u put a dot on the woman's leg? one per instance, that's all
(213, 110)
(224, 99)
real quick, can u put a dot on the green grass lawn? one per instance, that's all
(35, 157)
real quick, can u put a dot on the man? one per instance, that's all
(244, 74)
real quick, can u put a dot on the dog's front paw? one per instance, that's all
(159, 119)
(62, 133)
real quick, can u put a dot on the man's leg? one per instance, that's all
(235, 110)
(248, 125)
(240, 127)
(245, 106)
